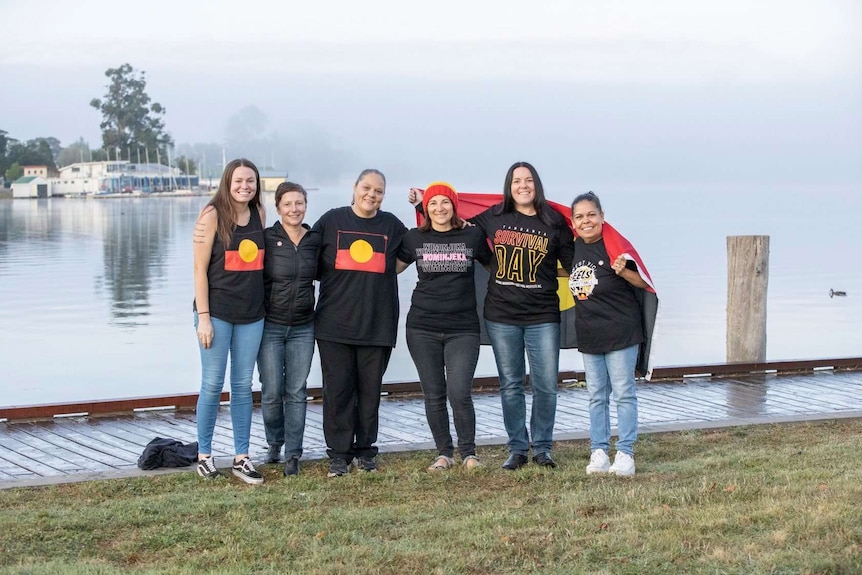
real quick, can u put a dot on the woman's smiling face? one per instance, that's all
(368, 195)
(523, 189)
(243, 185)
(587, 220)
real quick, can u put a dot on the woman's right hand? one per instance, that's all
(414, 196)
(205, 331)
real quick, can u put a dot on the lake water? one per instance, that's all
(95, 295)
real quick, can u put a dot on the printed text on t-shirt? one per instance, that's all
(519, 254)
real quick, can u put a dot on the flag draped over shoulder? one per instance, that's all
(617, 246)
(470, 204)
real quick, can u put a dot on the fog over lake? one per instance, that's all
(692, 121)
(96, 294)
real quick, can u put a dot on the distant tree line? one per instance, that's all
(132, 129)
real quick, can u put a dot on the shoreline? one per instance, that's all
(7, 195)
(565, 380)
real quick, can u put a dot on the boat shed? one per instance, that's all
(270, 179)
(31, 187)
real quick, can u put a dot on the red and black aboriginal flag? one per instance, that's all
(247, 257)
(361, 252)
(470, 205)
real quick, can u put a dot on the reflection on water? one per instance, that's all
(96, 298)
(135, 246)
(747, 399)
(95, 295)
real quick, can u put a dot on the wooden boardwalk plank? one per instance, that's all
(73, 448)
(489, 414)
(661, 405)
(117, 428)
(76, 445)
(183, 427)
(745, 399)
(9, 468)
(38, 456)
(4, 476)
(91, 436)
(819, 391)
(148, 426)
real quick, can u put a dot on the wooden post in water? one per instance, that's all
(747, 280)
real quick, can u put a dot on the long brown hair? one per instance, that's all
(546, 213)
(222, 202)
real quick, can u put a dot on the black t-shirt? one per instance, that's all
(522, 289)
(358, 303)
(235, 275)
(444, 299)
(607, 313)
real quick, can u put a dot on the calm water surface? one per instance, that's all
(95, 295)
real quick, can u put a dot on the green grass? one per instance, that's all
(763, 499)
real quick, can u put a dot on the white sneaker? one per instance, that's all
(624, 464)
(599, 462)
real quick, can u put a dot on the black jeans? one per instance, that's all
(352, 381)
(446, 364)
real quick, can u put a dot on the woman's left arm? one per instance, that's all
(628, 274)
(401, 265)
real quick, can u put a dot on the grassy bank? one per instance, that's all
(765, 499)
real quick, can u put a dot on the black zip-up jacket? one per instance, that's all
(288, 275)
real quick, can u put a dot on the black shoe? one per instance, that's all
(365, 463)
(515, 461)
(544, 459)
(273, 454)
(291, 466)
(338, 467)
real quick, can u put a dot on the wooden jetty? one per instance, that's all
(44, 450)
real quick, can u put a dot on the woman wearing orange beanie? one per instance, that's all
(442, 324)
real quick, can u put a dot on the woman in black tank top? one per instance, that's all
(229, 309)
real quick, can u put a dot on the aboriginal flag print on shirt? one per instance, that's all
(361, 252)
(248, 257)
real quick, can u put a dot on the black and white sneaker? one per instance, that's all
(207, 468)
(246, 471)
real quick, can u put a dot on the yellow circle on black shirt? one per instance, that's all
(247, 250)
(361, 251)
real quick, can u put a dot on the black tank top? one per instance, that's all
(236, 275)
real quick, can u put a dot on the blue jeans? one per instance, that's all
(446, 363)
(542, 344)
(606, 372)
(242, 342)
(284, 361)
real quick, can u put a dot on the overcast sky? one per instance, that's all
(623, 92)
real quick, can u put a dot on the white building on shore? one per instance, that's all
(91, 178)
(31, 187)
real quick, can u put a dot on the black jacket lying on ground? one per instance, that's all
(162, 452)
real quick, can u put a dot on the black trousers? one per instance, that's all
(352, 382)
(446, 363)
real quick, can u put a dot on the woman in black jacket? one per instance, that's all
(290, 266)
